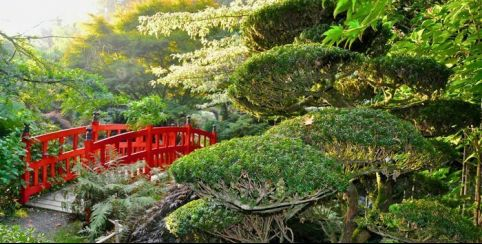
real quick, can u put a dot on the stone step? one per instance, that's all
(56, 206)
(60, 200)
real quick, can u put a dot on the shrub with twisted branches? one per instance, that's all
(365, 141)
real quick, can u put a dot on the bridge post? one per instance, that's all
(187, 140)
(88, 146)
(95, 125)
(24, 197)
(149, 155)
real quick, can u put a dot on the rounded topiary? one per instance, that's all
(284, 80)
(422, 75)
(200, 216)
(425, 221)
(280, 23)
(440, 117)
(261, 174)
(366, 141)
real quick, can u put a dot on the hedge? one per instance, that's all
(280, 23)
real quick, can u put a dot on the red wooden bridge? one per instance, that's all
(50, 157)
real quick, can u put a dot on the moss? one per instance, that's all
(244, 168)
(440, 117)
(354, 136)
(200, 216)
(428, 221)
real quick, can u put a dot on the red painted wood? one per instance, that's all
(159, 147)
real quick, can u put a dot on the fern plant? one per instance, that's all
(112, 193)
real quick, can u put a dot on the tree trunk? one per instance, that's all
(351, 197)
(384, 192)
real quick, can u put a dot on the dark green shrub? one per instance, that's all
(200, 216)
(279, 24)
(12, 167)
(237, 125)
(440, 117)
(283, 80)
(14, 234)
(364, 140)
(423, 75)
(426, 221)
(260, 174)
(147, 111)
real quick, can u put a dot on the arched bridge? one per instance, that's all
(50, 158)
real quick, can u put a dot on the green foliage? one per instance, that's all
(205, 70)
(427, 221)
(70, 233)
(449, 32)
(294, 77)
(291, 77)
(128, 18)
(12, 115)
(279, 24)
(200, 216)
(110, 194)
(364, 140)
(373, 42)
(147, 111)
(359, 17)
(12, 168)
(423, 75)
(259, 171)
(14, 234)
(237, 125)
(440, 117)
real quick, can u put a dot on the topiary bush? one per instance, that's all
(259, 174)
(423, 75)
(366, 141)
(296, 76)
(440, 117)
(200, 216)
(279, 24)
(292, 77)
(425, 221)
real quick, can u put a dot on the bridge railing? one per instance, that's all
(50, 158)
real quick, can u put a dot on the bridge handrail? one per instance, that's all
(157, 146)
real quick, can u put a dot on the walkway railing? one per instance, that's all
(50, 158)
